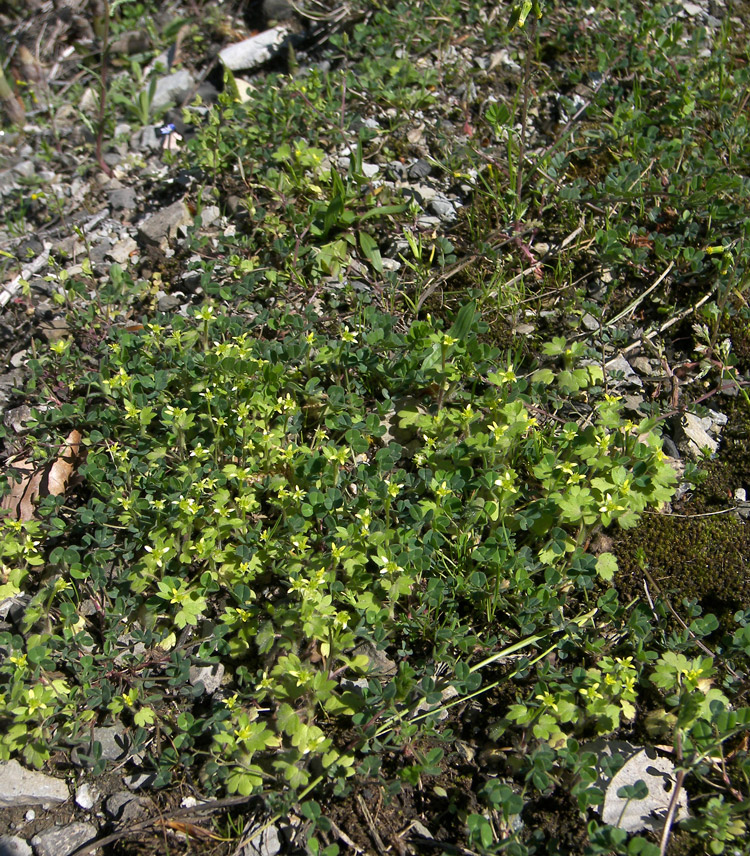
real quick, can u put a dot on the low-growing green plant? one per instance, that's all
(296, 495)
(247, 485)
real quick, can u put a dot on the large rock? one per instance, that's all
(161, 227)
(63, 840)
(19, 787)
(256, 50)
(12, 845)
(114, 741)
(172, 89)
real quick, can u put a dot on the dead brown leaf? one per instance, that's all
(36, 482)
(190, 829)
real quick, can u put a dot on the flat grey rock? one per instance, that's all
(693, 438)
(642, 365)
(147, 140)
(19, 787)
(169, 302)
(172, 89)
(620, 364)
(422, 193)
(589, 322)
(25, 169)
(443, 209)
(8, 182)
(277, 10)
(124, 199)
(380, 665)
(17, 417)
(209, 676)
(63, 840)
(139, 780)
(12, 845)
(161, 227)
(210, 214)
(125, 807)
(113, 740)
(419, 169)
(136, 41)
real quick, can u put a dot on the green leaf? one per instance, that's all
(333, 214)
(606, 566)
(462, 324)
(288, 720)
(382, 211)
(370, 249)
(145, 716)
(545, 376)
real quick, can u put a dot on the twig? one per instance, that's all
(640, 298)
(204, 808)
(7, 290)
(374, 834)
(524, 113)
(666, 325)
(339, 833)
(470, 259)
(672, 810)
(106, 168)
(692, 516)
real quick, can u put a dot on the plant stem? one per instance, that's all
(672, 810)
(106, 168)
(524, 113)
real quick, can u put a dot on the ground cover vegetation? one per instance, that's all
(438, 561)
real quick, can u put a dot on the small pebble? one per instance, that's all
(85, 797)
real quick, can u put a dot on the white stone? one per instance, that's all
(694, 438)
(256, 50)
(210, 214)
(86, 796)
(122, 250)
(262, 843)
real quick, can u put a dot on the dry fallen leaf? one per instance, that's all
(51, 479)
(190, 829)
